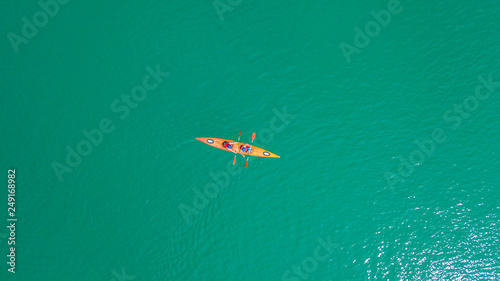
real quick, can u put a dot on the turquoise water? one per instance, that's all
(389, 165)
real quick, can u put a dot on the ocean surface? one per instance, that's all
(385, 115)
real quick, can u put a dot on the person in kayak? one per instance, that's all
(246, 149)
(228, 146)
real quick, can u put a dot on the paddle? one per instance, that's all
(253, 137)
(234, 160)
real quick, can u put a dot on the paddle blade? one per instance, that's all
(246, 163)
(253, 136)
(234, 160)
(239, 136)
